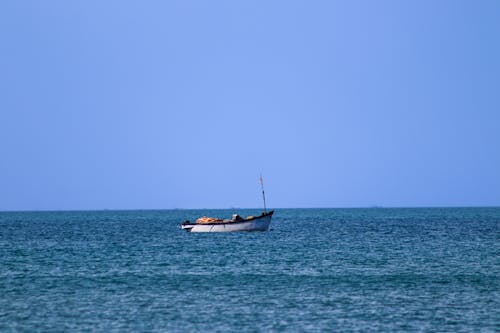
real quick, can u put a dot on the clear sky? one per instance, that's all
(182, 104)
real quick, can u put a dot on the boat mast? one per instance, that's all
(263, 195)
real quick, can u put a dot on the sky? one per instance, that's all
(182, 104)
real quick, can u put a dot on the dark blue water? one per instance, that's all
(316, 270)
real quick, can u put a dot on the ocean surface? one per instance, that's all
(380, 269)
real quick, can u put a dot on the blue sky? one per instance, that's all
(181, 104)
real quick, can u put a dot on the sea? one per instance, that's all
(316, 270)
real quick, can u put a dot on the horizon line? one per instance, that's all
(229, 208)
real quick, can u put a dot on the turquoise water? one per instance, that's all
(316, 270)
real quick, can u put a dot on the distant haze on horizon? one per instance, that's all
(182, 104)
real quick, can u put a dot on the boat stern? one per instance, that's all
(188, 226)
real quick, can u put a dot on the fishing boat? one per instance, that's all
(236, 223)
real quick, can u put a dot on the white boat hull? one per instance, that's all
(256, 224)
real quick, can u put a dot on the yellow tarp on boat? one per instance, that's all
(205, 219)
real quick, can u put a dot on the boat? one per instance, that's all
(236, 223)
